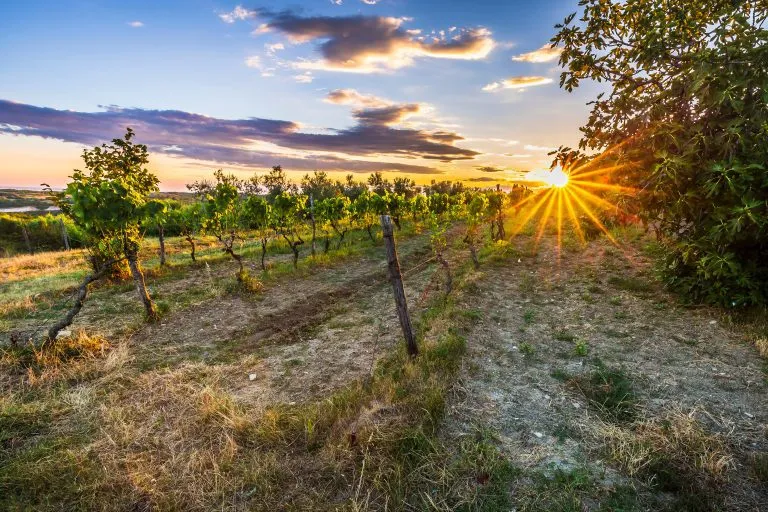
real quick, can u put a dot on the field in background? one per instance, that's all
(550, 379)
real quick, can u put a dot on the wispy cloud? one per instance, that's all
(304, 78)
(531, 147)
(518, 82)
(135, 24)
(544, 54)
(352, 97)
(254, 61)
(489, 168)
(368, 44)
(238, 13)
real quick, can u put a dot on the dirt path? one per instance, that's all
(298, 339)
(545, 323)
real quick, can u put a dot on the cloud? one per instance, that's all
(531, 147)
(518, 155)
(254, 61)
(352, 97)
(544, 54)
(231, 140)
(238, 13)
(272, 48)
(369, 44)
(304, 78)
(517, 82)
(135, 24)
(488, 168)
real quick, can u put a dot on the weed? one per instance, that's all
(529, 316)
(615, 300)
(610, 391)
(561, 375)
(527, 349)
(593, 288)
(581, 349)
(563, 335)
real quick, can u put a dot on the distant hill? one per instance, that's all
(37, 201)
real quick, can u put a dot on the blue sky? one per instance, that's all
(418, 101)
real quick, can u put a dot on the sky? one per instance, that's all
(435, 90)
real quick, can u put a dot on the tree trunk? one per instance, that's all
(238, 259)
(192, 245)
(448, 275)
(473, 253)
(141, 286)
(327, 245)
(82, 293)
(396, 219)
(161, 236)
(263, 253)
(370, 233)
(500, 224)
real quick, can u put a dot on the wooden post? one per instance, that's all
(312, 216)
(397, 285)
(27, 242)
(64, 234)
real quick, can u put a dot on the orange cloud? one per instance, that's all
(546, 53)
(518, 82)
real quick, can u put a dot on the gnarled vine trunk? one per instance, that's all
(192, 245)
(82, 293)
(448, 274)
(131, 255)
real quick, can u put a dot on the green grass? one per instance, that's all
(610, 391)
(630, 284)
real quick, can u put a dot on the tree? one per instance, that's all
(405, 187)
(379, 184)
(157, 214)
(256, 213)
(475, 215)
(496, 201)
(221, 204)
(276, 182)
(685, 121)
(287, 214)
(319, 186)
(187, 221)
(351, 188)
(365, 211)
(335, 211)
(109, 201)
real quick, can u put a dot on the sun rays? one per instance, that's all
(573, 198)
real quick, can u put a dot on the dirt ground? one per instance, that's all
(535, 310)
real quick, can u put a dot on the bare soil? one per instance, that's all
(536, 309)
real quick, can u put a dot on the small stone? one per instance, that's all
(750, 416)
(538, 434)
(64, 334)
(576, 405)
(712, 322)
(252, 376)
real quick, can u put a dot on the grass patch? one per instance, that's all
(673, 454)
(609, 390)
(630, 284)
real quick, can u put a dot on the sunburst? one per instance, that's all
(570, 196)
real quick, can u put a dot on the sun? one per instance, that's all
(556, 178)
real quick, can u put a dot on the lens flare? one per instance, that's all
(557, 178)
(566, 199)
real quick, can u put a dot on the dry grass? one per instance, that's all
(673, 453)
(24, 266)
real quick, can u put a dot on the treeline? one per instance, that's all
(317, 211)
(22, 233)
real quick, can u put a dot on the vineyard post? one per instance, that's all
(26, 238)
(312, 216)
(64, 234)
(397, 285)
